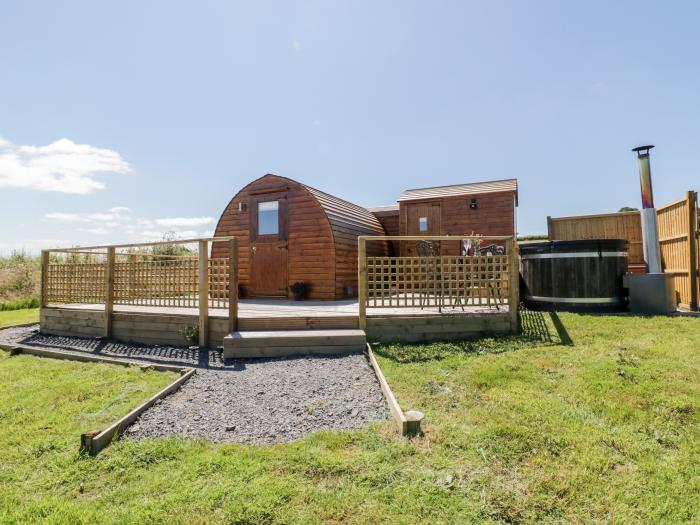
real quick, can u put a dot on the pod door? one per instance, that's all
(421, 219)
(268, 245)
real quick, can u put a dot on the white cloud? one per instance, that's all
(96, 231)
(296, 45)
(117, 214)
(121, 224)
(62, 166)
(184, 221)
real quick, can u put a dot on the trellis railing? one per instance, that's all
(142, 275)
(439, 281)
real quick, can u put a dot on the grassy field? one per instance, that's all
(45, 404)
(583, 419)
(15, 317)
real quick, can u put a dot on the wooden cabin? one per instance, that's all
(480, 208)
(289, 232)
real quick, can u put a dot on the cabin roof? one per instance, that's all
(454, 190)
(343, 213)
(379, 209)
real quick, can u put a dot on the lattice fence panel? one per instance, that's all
(218, 282)
(72, 283)
(170, 282)
(440, 281)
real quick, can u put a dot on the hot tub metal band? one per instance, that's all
(586, 300)
(572, 255)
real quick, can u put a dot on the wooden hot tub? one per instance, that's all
(574, 275)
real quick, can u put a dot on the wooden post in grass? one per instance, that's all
(203, 292)
(362, 282)
(44, 277)
(513, 283)
(86, 442)
(233, 285)
(109, 292)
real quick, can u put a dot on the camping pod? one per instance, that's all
(291, 233)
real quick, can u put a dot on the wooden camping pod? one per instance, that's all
(289, 232)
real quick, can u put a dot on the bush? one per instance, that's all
(20, 304)
(20, 275)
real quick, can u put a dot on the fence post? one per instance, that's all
(362, 282)
(513, 283)
(203, 293)
(44, 276)
(692, 198)
(109, 292)
(233, 285)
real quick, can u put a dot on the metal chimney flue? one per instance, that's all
(650, 232)
(653, 292)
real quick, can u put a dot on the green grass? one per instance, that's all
(45, 405)
(583, 419)
(15, 317)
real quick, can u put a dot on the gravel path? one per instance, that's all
(242, 400)
(266, 401)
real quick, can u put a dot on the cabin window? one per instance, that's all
(423, 224)
(268, 218)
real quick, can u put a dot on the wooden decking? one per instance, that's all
(273, 308)
(167, 325)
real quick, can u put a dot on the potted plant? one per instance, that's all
(299, 290)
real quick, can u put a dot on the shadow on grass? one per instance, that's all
(564, 337)
(534, 326)
(537, 329)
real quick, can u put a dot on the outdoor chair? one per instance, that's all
(493, 278)
(490, 278)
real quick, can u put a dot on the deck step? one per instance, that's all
(278, 343)
(330, 322)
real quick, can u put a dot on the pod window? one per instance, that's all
(268, 218)
(423, 224)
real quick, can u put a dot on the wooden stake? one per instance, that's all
(513, 283)
(233, 285)
(362, 282)
(44, 277)
(203, 292)
(86, 442)
(109, 292)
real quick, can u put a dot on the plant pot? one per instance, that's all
(299, 291)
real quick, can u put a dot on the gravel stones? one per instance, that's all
(268, 401)
(242, 400)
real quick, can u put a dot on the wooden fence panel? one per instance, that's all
(439, 281)
(675, 237)
(74, 282)
(622, 225)
(677, 224)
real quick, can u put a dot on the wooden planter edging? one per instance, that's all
(94, 441)
(408, 423)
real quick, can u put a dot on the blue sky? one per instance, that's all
(122, 120)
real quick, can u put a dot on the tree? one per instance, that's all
(627, 208)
